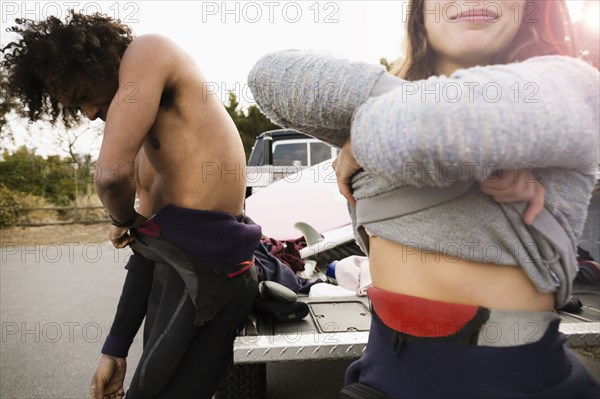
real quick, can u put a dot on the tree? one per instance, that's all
(250, 123)
(52, 177)
(9, 202)
(7, 105)
(384, 62)
(66, 139)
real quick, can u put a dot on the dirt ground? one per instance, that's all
(57, 234)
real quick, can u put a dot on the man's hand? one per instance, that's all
(517, 186)
(120, 237)
(346, 166)
(108, 379)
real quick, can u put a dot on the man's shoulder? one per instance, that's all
(152, 40)
(151, 46)
(151, 49)
(152, 57)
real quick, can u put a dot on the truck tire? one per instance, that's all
(243, 381)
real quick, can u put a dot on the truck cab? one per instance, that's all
(287, 147)
(280, 153)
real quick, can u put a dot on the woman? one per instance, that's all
(463, 287)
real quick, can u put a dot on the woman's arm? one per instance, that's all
(539, 113)
(313, 93)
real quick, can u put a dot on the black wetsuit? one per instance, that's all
(195, 293)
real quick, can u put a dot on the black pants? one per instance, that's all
(181, 360)
(432, 368)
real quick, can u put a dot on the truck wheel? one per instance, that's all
(243, 381)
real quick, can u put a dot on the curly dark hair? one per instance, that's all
(51, 54)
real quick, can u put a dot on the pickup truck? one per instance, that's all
(280, 153)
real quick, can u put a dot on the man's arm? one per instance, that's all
(143, 75)
(132, 306)
(110, 373)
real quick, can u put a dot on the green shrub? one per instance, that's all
(8, 206)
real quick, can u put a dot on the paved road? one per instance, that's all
(56, 308)
(57, 303)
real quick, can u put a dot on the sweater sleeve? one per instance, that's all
(316, 94)
(539, 113)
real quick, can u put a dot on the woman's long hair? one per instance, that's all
(546, 29)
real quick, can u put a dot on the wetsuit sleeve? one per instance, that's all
(132, 306)
(539, 113)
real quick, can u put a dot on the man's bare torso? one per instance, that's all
(192, 155)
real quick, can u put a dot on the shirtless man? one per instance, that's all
(189, 165)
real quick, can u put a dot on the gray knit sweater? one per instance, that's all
(542, 113)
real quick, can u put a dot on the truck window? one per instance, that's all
(319, 152)
(288, 154)
(256, 156)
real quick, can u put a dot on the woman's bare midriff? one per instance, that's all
(397, 268)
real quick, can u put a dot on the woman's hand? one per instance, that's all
(514, 185)
(509, 186)
(346, 166)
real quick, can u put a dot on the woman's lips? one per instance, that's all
(476, 16)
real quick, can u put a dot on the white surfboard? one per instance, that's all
(310, 196)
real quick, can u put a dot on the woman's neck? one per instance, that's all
(448, 67)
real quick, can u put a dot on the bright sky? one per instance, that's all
(227, 37)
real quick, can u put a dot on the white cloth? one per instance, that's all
(352, 273)
(321, 290)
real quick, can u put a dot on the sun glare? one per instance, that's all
(575, 9)
(591, 16)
